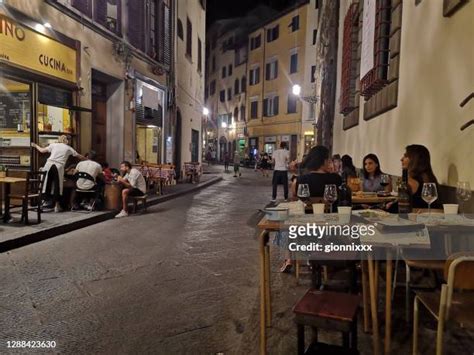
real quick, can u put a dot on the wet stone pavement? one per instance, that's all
(182, 278)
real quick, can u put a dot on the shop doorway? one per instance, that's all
(99, 120)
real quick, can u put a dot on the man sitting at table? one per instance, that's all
(90, 177)
(133, 184)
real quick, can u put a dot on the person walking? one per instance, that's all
(281, 157)
(265, 164)
(237, 164)
(226, 162)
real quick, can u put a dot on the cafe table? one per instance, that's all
(7, 182)
(388, 245)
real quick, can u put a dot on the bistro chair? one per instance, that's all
(453, 303)
(32, 196)
(327, 310)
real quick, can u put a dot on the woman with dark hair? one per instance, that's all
(372, 175)
(417, 162)
(348, 168)
(318, 165)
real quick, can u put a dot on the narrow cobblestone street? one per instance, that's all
(180, 278)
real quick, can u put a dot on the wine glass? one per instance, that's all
(463, 193)
(429, 194)
(330, 195)
(303, 192)
(384, 181)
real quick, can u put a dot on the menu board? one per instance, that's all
(14, 106)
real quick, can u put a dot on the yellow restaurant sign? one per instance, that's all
(26, 48)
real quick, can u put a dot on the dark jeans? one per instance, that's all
(280, 177)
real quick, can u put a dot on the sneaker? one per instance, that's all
(122, 214)
(273, 200)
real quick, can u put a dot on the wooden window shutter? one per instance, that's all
(275, 105)
(349, 60)
(164, 33)
(100, 13)
(84, 6)
(136, 23)
(376, 78)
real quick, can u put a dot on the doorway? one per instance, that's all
(99, 120)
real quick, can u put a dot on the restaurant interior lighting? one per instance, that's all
(296, 90)
(151, 126)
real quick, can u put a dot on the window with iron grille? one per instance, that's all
(189, 38)
(349, 60)
(376, 78)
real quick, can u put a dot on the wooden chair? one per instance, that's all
(457, 307)
(33, 192)
(335, 311)
(136, 199)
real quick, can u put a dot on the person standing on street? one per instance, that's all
(281, 157)
(237, 163)
(226, 162)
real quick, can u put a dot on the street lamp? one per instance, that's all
(224, 125)
(311, 99)
(205, 111)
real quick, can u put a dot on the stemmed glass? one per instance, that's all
(384, 181)
(303, 193)
(330, 195)
(429, 194)
(463, 193)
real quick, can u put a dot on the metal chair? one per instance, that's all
(33, 192)
(457, 307)
(95, 190)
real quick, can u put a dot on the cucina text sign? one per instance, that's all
(29, 49)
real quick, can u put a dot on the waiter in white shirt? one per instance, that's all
(280, 157)
(60, 152)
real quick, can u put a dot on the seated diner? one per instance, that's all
(133, 183)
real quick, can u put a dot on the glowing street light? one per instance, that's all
(296, 90)
(224, 125)
(205, 111)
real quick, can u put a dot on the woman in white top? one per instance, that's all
(60, 152)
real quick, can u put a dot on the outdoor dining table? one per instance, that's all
(373, 267)
(7, 182)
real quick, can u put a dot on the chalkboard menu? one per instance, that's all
(54, 97)
(13, 107)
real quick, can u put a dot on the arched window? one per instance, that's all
(180, 29)
(243, 84)
(236, 87)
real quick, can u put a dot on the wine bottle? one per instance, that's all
(345, 193)
(404, 200)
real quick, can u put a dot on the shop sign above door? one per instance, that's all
(24, 47)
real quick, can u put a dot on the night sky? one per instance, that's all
(219, 9)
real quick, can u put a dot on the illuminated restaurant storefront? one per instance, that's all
(38, 91)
